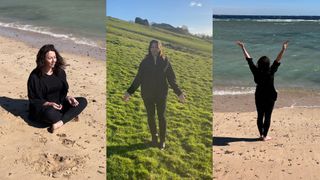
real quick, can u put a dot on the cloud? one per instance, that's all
(195, 4)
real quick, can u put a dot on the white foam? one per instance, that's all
(46, 31)
(234, 91)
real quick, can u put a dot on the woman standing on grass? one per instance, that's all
(266, 94)
(154, 74)
(48, 88)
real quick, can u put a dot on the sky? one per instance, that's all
(197, 14)
(269, 7)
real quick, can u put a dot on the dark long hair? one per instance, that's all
(161, 54)
(264, 64)
(41, 57)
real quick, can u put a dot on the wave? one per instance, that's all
(234, 91)
(46, 31)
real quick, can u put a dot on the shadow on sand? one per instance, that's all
(19, 108)
(224, 141)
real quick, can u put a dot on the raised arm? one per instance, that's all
(284, 47)
(245, 52)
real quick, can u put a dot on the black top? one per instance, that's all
(153, 76)
(265, 81)
(42, 88)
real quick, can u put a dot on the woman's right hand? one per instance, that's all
(54, 105)
(182, 98)
(126, 97)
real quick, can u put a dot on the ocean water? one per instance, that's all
(81, 21)
(300, 65)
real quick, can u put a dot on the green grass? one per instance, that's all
(188, 153)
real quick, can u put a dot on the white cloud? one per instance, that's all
(193, 4)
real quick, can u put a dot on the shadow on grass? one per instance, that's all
(119, 150)
(19, 108)
(224, 141)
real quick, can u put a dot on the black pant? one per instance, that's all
(151, 105)
(68, 112)
(264, 109)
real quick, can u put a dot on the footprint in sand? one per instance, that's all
(65, 141)
(56, 166)
(41, 138)
(68, 142)
(62, 135)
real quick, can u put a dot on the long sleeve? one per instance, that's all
(172, 80)
(35, 94)
(64, 91)
(274, 67)
(136, 82)
(252, 66)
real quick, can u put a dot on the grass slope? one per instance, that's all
(188, 152)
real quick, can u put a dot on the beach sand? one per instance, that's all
(294, 151)
(75, 151)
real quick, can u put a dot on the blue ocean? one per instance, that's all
(264, 35)
(81, 21)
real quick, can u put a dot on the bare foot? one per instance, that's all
(267, 138)
(56, 126)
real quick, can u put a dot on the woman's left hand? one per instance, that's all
(72, 101)
(285, 45)
(182, 98)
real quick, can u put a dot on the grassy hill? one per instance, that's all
(188, 152)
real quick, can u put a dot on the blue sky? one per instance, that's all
(267, 7)
(197, 14)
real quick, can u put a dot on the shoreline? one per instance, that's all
(287, 98)
(37, 40)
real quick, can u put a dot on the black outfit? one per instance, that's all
(51, 88)
(153, 76)
(265, 95)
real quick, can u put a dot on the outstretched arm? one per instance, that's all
(245, 52)
(284, 47)
(134, 86)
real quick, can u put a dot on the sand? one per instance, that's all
(75, 151)
(294, 151)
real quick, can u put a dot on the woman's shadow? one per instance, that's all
(19, 108)
(224, 141)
